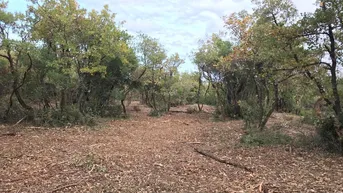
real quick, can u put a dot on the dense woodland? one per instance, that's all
(62, 65)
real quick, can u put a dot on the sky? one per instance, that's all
(177, 24)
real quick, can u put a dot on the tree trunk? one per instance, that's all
(80, 100)
(198, 93)
(260, 104)
(319, 86)
(266, 118)
(276, 96)
(153, 98)
(63, 100)
(10, 104)
(220, 104)
(123, 106)
(337, 100)
(16, 86)
(333, 56)
(169, 99)
(30, 110)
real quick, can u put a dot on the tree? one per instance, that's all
(323, 30)
(152, 56)
(268, 46)
(210, 61)
(64, 54)
(12, 50)
(324, 36)
(169, 77)
(85, 44)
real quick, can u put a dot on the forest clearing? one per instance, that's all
(87, 104)
(149, 154)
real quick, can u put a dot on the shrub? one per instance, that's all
(307, 141)
(309, 117)
(69, 117)
(112, 111)
(136, 108)
(251, 113)
(155, 113)
(267, 137)
(329, 138)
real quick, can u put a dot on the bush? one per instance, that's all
(217, 116)
(15, 114)
(307, 141)
(251, 113)
(260, 138)
(136, 108)
(113, 111)
(309, 117)
(155, 113)
(69, 117)
(329, 138)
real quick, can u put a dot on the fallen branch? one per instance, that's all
(8, 134)
(20, 121)
(222, 161)
(176, 111)
(13, 180)
(185, 123)
(192, 142)
(65, 186)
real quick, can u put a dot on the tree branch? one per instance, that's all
(223, 161)
(4, 56)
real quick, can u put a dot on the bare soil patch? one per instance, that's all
(146, 154)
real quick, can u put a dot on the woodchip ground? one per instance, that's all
(148, 154)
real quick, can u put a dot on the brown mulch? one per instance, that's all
(146, 154)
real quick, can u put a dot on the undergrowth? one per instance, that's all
(266, 137)
(69, 117)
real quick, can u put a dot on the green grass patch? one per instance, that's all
(265, 138)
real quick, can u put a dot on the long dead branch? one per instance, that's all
(223, 161)
(8, 134)
(65, 186)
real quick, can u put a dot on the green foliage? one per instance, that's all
(111, 111)
(69, 117)
(209, 98)
(308, 141)
(210, 60)
(184, 89)
(217, 116)
(155, 113)
(327, 132)
(15, 114)
(161, 75)
(309, 117)
(266, 137)
(66, 64)
(251, 113)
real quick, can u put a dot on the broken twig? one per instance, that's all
(65, 186)
(222, 161)
(8, 134)
(20, 121)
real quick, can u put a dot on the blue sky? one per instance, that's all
(177, 24)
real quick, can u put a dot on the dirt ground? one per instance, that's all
(147, 154)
